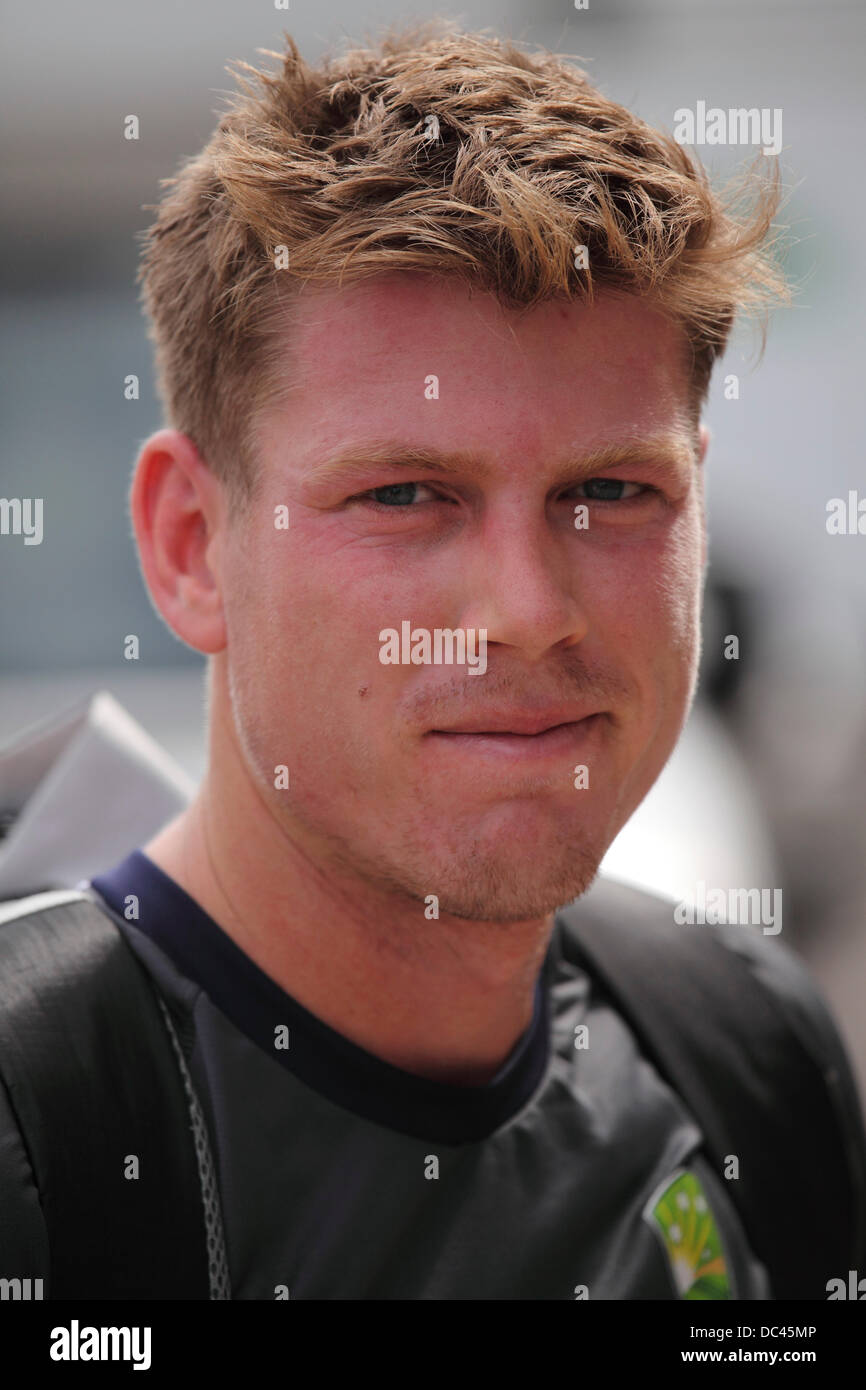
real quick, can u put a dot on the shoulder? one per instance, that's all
(738, 997)
(798, 1000)
(53, 945)
(23, 1233)
(16, 909)
(643, 921)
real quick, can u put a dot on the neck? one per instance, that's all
(445, 999)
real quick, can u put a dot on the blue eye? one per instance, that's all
(401, 495)
(607, 489)
(395, 495)
(604, 489)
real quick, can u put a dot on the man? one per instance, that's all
(434, 324)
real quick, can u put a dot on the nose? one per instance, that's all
(523, 583)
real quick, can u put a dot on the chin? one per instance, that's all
(515, 887)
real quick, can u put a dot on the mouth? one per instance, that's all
(523, 739)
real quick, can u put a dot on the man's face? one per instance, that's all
(428, 779)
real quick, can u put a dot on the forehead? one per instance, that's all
(434, 363)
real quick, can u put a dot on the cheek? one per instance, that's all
(650, 607)
(677, 590)
(279, 599)
(265, 635)
(301, 648)
(675, 615)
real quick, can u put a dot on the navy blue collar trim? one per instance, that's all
(317, 1055)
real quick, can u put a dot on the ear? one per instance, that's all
(179, 516)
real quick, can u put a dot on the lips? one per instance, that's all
(517, 722)
(500, 747)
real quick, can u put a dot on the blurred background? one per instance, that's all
(767, 787)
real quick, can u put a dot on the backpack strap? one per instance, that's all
(93, 1079)
(725, 1044)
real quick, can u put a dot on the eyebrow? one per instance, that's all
(657, 455)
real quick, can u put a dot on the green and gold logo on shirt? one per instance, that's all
(681, 1216)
